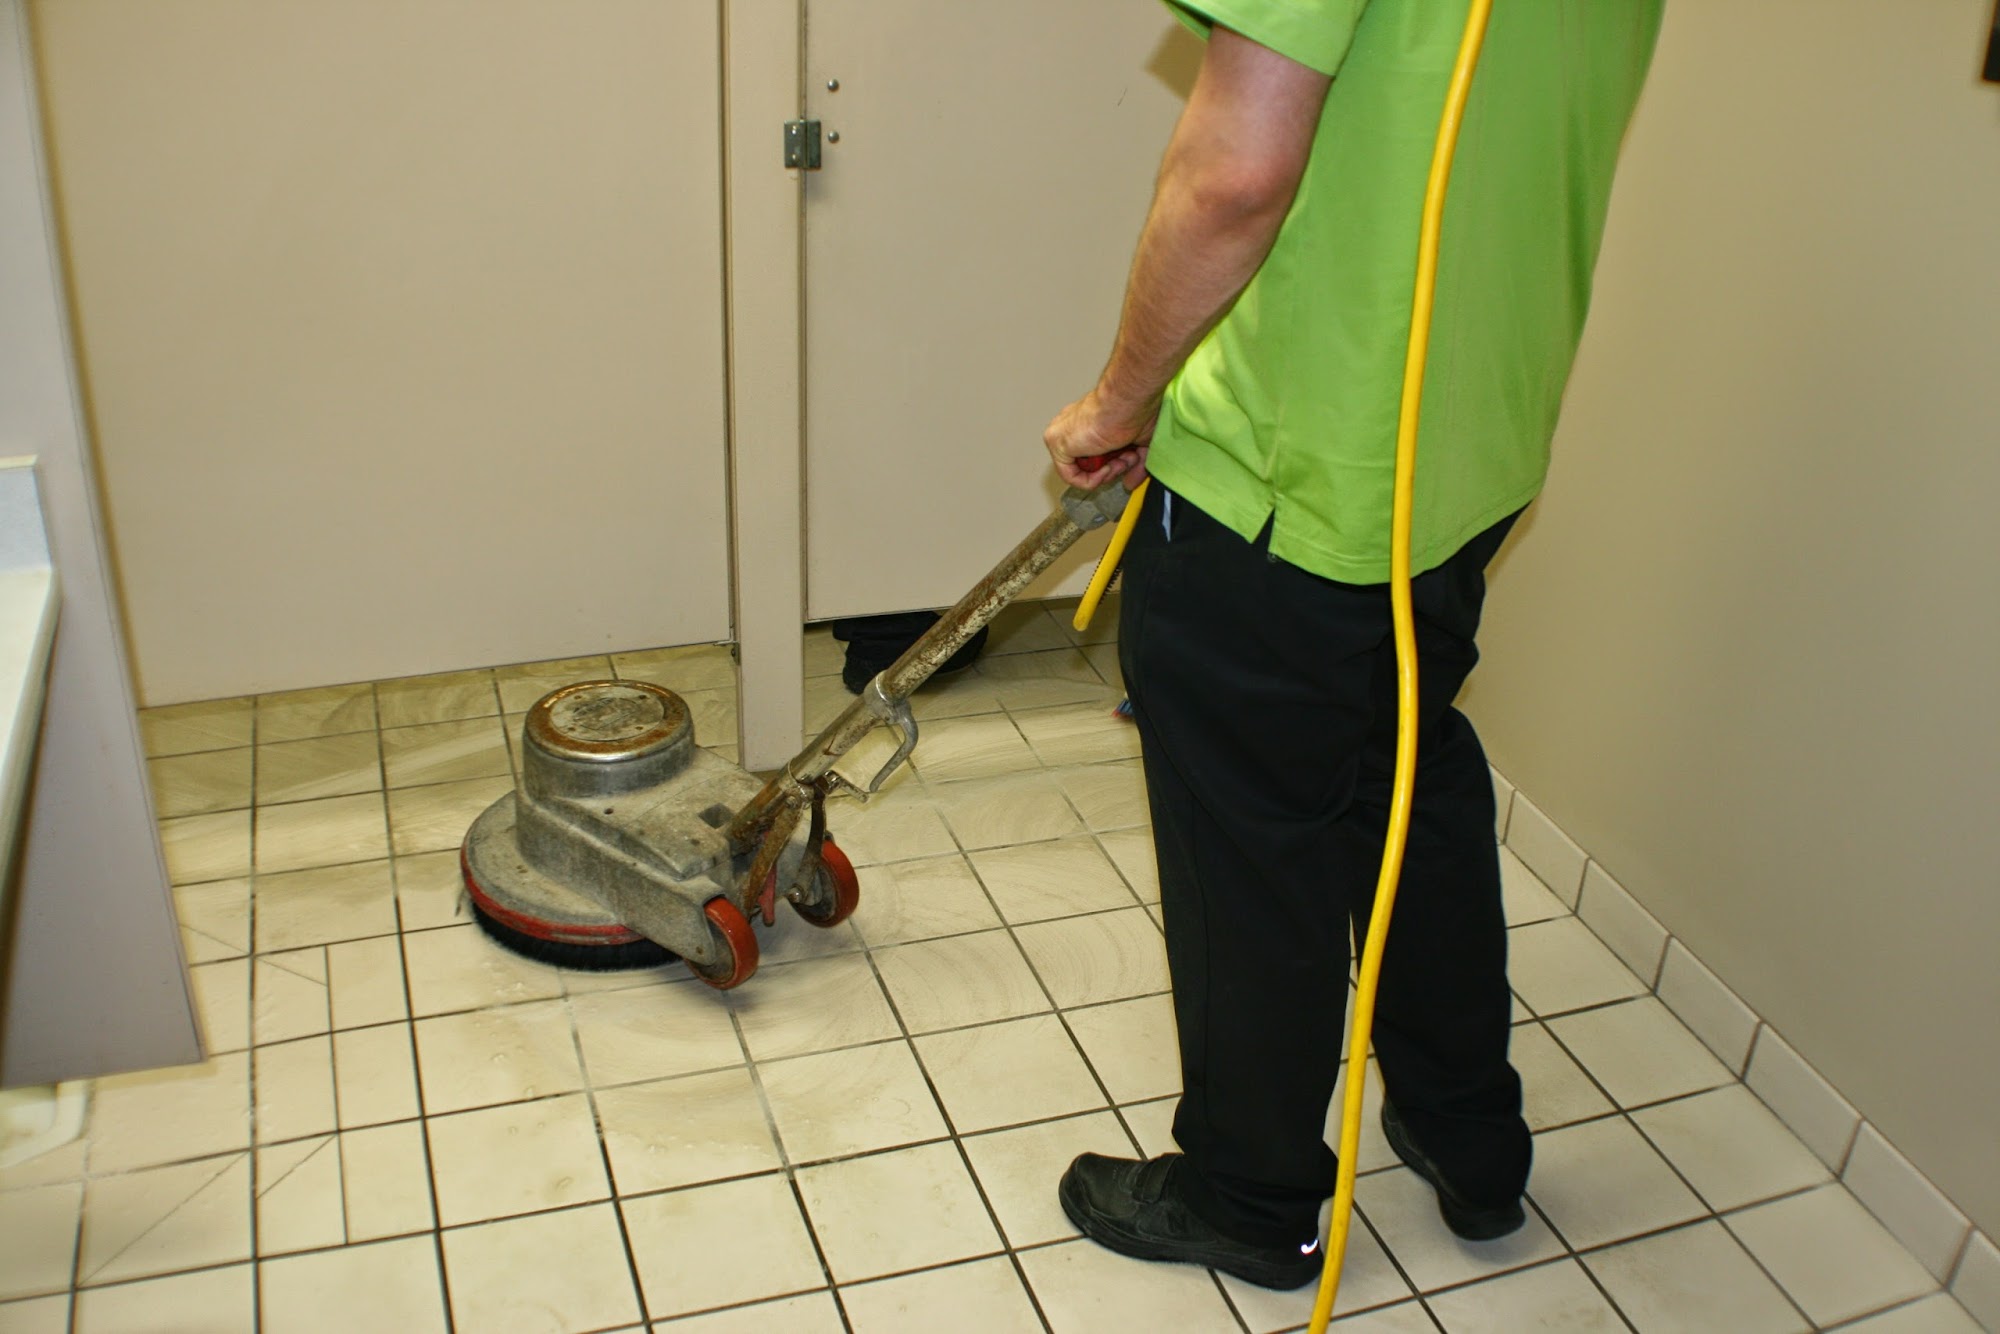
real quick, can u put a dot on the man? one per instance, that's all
(1256, 375)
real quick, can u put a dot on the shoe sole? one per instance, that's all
(1138, 1248)
(1468, 1222)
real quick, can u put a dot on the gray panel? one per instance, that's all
(95, 982)
(968, 238)
(403, 329)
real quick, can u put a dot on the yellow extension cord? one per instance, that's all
(1370, 974)
(1107, 565)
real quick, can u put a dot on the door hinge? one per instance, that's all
(802, 144)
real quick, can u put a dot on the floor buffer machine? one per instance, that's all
(623, 845)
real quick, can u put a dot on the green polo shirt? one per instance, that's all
(1287, 411)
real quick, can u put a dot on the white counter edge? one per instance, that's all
(28, 606)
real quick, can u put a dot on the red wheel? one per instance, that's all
(839, 889)
(738, 941)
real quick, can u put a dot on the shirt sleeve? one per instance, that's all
(1316, 33)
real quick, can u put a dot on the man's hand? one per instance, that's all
(1115, 436)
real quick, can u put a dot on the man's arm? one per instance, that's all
(1225, 186)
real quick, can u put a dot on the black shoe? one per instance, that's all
(875, 642)
(1125, 1205)
(1474, 1222)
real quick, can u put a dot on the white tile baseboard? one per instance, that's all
(1802, 1098)
(1548, 851)
(1503, 805)
(1901, 1197)
(1715, 1013)
(1906, 1202)
(1620, 922)
(1977, 1282)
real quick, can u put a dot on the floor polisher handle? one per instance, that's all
(1077, 512)
(1090, 463)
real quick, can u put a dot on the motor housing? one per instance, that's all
(615, 832)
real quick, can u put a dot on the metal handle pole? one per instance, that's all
(1077, 513)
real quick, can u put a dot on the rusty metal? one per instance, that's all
(773, 834)
(806, 879)
(605, 720)
(1078, 512)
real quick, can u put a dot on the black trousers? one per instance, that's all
(1266, 703)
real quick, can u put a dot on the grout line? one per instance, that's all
(1228, 1304)
(965, 1159)
(1958, 1259)
(211, 1267)
(1851, 1322)
(786, 1166)
(1076, 1045)
(1624, 1113)
(76, 1240)
(931, 1085)
(1382, 1243)
(1847, 1155)
(417, 1085)
(1436, 1323)
(1758, 1260)
(1055, 1008)
(958, 1141)
(233, 1157)
(1611, 1301)
(819, 1247)
(868, 951)
(1527, 1198)
(1749, 1050)
(612, 1196)
(250, 1041)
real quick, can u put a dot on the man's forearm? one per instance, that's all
(1225, 186)
(1201, 246)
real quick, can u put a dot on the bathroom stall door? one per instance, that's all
(967, 240)
(403, 327)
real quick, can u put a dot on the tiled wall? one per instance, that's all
(1902, 1198)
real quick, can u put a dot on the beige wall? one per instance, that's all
(1746, 651)
(402, 321)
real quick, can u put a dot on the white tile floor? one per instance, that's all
(402, 1128)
